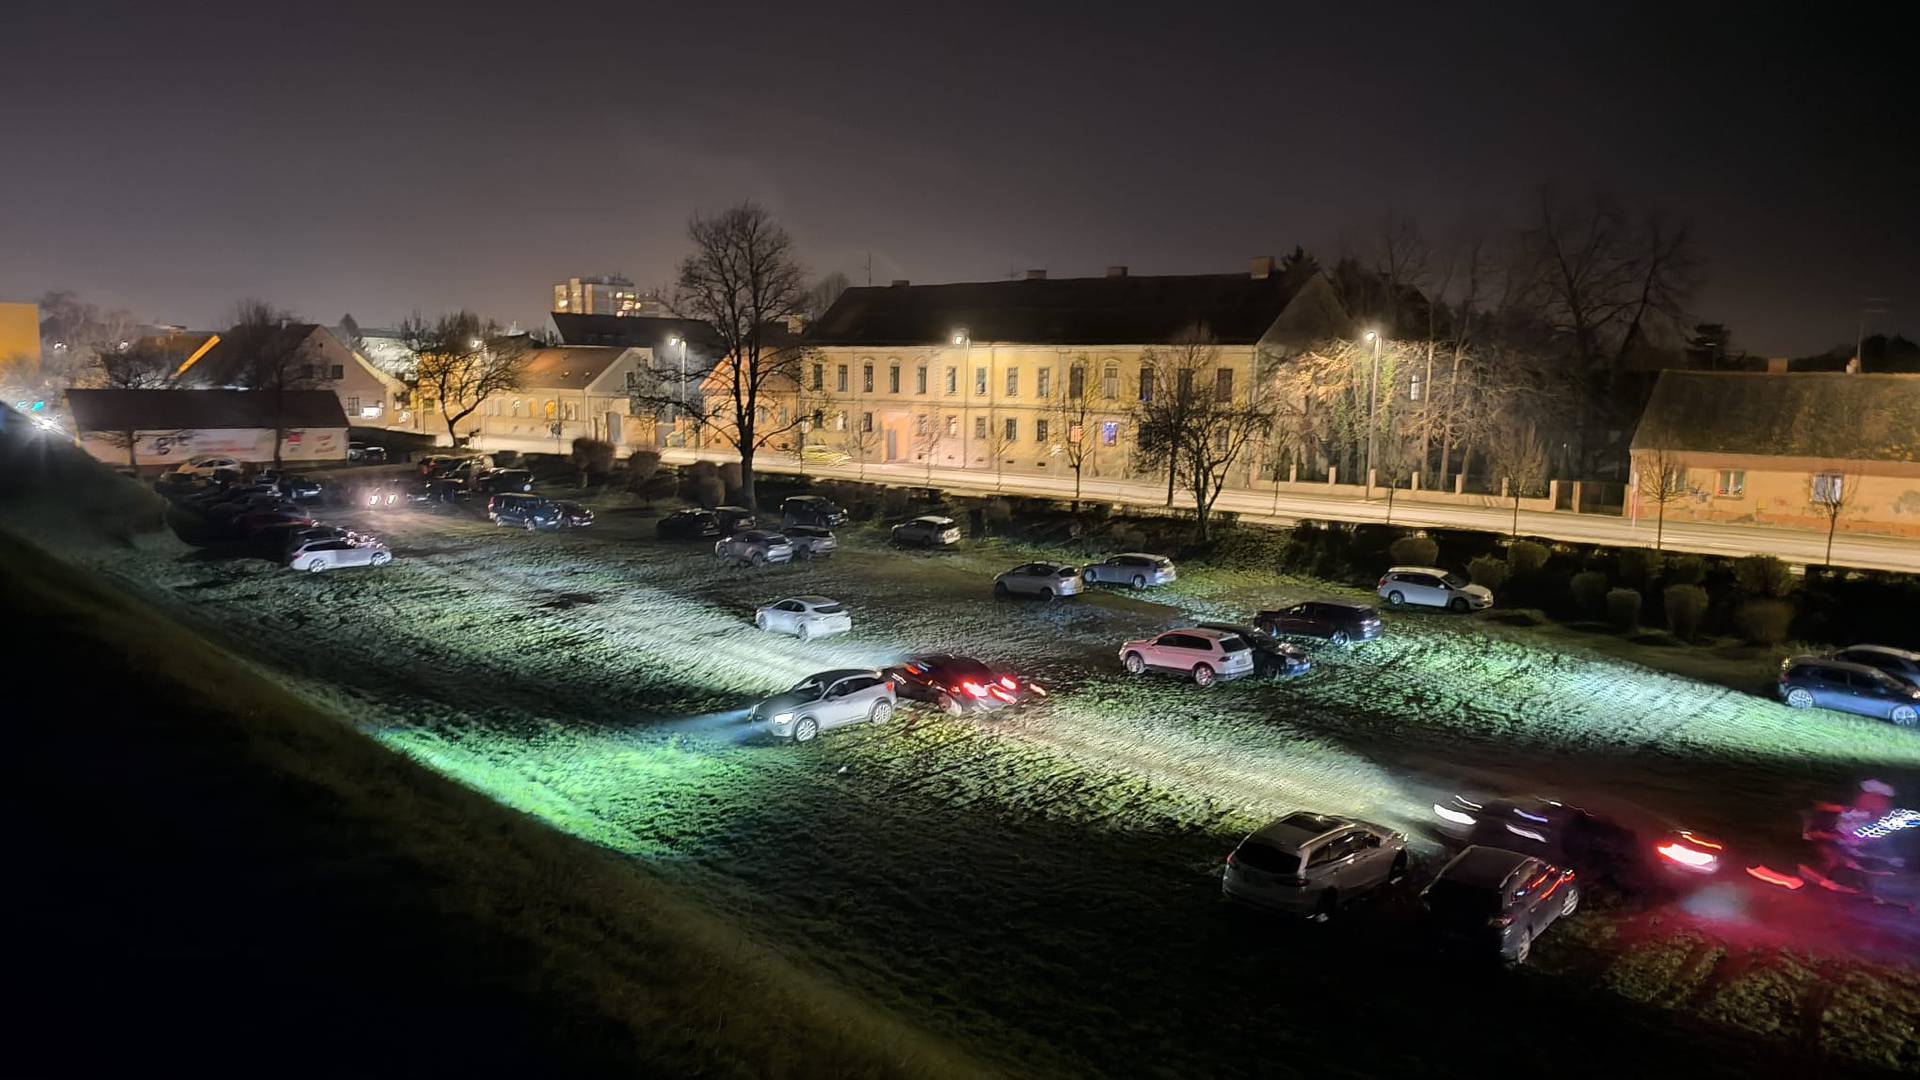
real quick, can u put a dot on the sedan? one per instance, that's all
(1271, 656)
(755, 547)
(1330, 621)
(961, 684)
(828, 700)
(1039, 579)
(1499, 901)
(321, 555)
(1133, 568)
(689, 525)
(811, 541)
(928, 531)
(1596, 845)
(805, 617)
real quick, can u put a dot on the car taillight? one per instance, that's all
(1382, 584)
(1036, 688)
(1500, 922)
(889, 685)
(974, 688)
(1689, 858)
(1774, 877)
(1002, 694)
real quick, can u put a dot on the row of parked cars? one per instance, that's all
(270, 511)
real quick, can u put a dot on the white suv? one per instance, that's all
(1207, 655)
(1429, 587)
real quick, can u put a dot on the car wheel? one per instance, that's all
(1051, 595)
(316, 565)
(1396, 598)
(804, 632)
(1139, 582)
(756, 559)
(949, 704)
(1398, 873)
(805, 730)
(760, 621)
(1202, 675)
(1327, 908)
(1904, 715)
(382, 559)
(882, 712)
(1800, 698)
(1338, 637)
(1458, 605)
(1000, 590)
(1522, 950)
(1133, 663)
(529, 525)
(1573, 901)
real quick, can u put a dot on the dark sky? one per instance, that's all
(375, 159)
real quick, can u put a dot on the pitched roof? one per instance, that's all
(1798, 414)
(179, 410)
(1121, 310)
(570, 367)
(633, 331)
(226, 363)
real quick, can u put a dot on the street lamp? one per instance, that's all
(1373, 396)
(682, 342)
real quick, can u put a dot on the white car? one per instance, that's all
(1429, 587)
(828, 700)
(1133, 568)
(805, 617)
(205, 466)
(1207, 655)
(332, 553)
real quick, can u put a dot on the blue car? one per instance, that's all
(1808, 682)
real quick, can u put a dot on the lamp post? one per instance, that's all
(1373, 396)
(682, 412)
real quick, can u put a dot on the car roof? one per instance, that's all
(1205, 631)
(1885, 650)
(1300, 828)
(733, 509)
(837, 674)
(806, 498)
(1417, 570)
(812, 600)
(1486, 867)
(1231, 628)
(1843, 665)
(935, 518)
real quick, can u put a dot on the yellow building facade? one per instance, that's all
(20, 340)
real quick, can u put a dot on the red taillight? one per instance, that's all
(889, 685)
(1691, 858)
(1382, 584)
(1002, 695)
(974, 688)
(1773, 877)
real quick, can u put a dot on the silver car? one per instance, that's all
(1310, 864)
(1132, 568)
(811, 541)
(928, 531)
(332, 554)
(828, 700)
(805, 617)
(1430, 587)
(1207, 655)
(755, 547)
(1040, 579)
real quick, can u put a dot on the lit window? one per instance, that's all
(1414, 388)
(953, 426)
(1012, 430)
(953, 380)
(1829, 488)
(980, 382)
(353, 406)
(840, 421)
(1013, 382)
(1732, 483)
(1109, 432)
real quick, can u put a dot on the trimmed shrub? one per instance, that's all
(1686, 606)
(1763, 622)
(1639, 567)
(1414, 551)
(1488, 571)
(657, 486)
(1128, 537)
(705, 490)
(1762, 576)
(730, 479)
(642, 467)
(593, 457)
(1525, 557)
(999, 513)
(1686, 570)
(1623, 609)
(1589, 588)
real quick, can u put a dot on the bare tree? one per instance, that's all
(998, 444)
(1662, 479)
(1218, 434)
(1520, 457)
(461, 361)
(1070, 413)
(1832, 495)
(1173, 384)
(931, 436)
(274, 357)
(863, 436)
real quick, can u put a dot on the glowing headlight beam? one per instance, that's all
(1447, 813)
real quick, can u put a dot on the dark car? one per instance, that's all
(1810, 681)
(436, 463)
(689, 525)
(1899, 663)
(1603, 849)
(496, 481)
(961, 684)
(1499, 901)
(293, 485)
(733, 519)
(532, 512)
(177, 485)
(815, 510)
(366, 453)
(1327, 620)
(1271, 656)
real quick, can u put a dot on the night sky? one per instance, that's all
(373, 159)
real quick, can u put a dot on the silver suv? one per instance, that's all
(1310, 864)
(1134, 568)
(755, 547)
(1039, 579)
(828, 700)
(811, 541)
(1207, 655)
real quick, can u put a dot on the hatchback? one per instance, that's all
(532, 512)
(1039, 579)
(811, 542)
(1809, 681)
(1429, 587)
(1899, 663)
(494, 481)
(1207, 655)
(825, 701)
(805, 617)
(1132, 568)
(815, 510)
(1311, 864)
(689, 525)
(928, 531)
(755, 547)
(1330, 621)
(1499, 901)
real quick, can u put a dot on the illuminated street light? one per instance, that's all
(959, 337)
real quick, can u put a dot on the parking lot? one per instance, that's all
(1043, 885)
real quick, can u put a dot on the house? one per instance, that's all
(20, 338)
(369, 396)
(1778, 449)
(161, 428)
(1001, 375)
(565, 392)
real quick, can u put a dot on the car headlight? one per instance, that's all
(783, 718)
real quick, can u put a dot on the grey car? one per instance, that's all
(930, 530)
(825, 701)
(1499, 901)
(1310, 864)
(755, 547)
(1040, 579)
(811, 541)
(1899, 663)
(1133, 568)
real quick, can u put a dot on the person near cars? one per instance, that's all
(1426, 586)
(1312, 864)
(1331, 621)
(826, 701)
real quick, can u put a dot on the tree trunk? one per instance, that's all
(746, 474)
(1076, 486)
(1516, 510)
(134, 462)
(1389, 504)
(1660, 525)
(1833, 522)
(1173, 467)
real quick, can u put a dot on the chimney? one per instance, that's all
(899, 282)
(1116, 271)
(1262, 268)
(1036, 275)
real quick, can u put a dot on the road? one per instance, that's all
(1793, 545)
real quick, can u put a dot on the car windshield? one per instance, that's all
(1465, 903)
(811, 688)
(829, 609)
(1266, 857)
(1455, 581)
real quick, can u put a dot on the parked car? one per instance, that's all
(1328, 620)
(811, 542)
(1498, 900)
(178, 485)
(1809, 681)
(1428, 587)
(1132, 568)
(818, 454)
(296, 486)
(825, 701)
(389, 492)
(815, 510)
(434, 463)
(961, 684)
(1899, 663)
(207, 466)
(734, 519)
(1312, 864)
(805, 617)
(445, 492)
(754, 547)
(1271, 656)
(337, 552)
(1040, 579)
(496, 481)
(930, 530)
(298, 536)
(532, 512)
(1207, 655)
(366, 453)
(1597, 846)
(689, 525)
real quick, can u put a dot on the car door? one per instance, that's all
(1872, 696)
(1372, 859)
(789, 614)
(1831, 689)
(851, 700)
(1176, 651)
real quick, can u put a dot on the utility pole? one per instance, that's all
(1373, 397)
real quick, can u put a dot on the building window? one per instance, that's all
(840, 379)
(1076, 382)
(866, 378)
(336, 372)
(893, 379)
(840, 421)
(866, 421)
(920, 380)
(1219, 442)
(1110, 382)
(552, 409)
(1011, 429)
(953, 380)
(819, 376)
(1109, 432)
(1040, 431)
(1076, 432)
(819, 418)
(570, 411)
(1146, 384)
(516, 408)
(1414, 388)
(1223, 385)
(1732, 483)
(953, 426)
(1043, 382)
(353, 406)
(1183, 385)
(979, 382)
(920, 425)
(1829, 488)
(1013, 382)
(979, 427)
